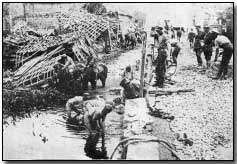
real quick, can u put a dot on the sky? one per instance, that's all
(180, 14)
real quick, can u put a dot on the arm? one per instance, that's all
(100, 124)
(87, 121)
(132, 75)
(217, 51)
(68, 63)
(216, 55)
(68, 109)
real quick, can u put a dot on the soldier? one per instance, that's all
(198, 45)
(179, 34)
(155, 35)
(172, 33)
(175, 51)
(91, 112)
(161, 59)
(223, 42)
(207, 48)
(128, 73)
(68, 63)
(191, 36)
(130, 88)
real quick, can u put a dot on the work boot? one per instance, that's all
(160, 85)
(155, 85)
(223, 77)
(199, 65)
(217, 77)
(208, 64)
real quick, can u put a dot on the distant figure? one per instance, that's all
(191, 36)
(155, 35)
(67, 62)
(130, 88)
(161, 59)
(198, 45)
(179, 34)
(172, 33)
(175, 51)
(208, 44)
(128, 73)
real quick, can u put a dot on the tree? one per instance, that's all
(95, 8)
(228, 17)
(6, 18)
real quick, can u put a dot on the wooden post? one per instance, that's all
(142, 66)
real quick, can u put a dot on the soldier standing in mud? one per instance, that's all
(161, 58)
(175, 51)
(207, 48)
(223, 42)
(191, 36)
(172, 33)
(198, 45)
(179, 34)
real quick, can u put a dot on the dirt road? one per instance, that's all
(206, 115)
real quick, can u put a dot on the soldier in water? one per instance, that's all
(91, 112)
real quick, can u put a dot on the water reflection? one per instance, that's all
(92, 148)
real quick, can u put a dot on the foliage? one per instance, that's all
(95, 8)
(19, 102)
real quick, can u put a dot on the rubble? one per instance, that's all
(38, 53)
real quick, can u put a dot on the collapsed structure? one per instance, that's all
(37, 53)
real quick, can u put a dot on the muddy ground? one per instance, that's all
(205, 116)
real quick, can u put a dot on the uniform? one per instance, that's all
(130, 88)
(93, 112)
(175, 51)
(179, 33)
(207, 48)
(198, 46)
(161, 60)
(223, 42)
(191, 36)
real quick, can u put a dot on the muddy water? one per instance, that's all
(46, 135)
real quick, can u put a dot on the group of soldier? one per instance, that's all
(204, 41)
(92, 112)
(166, 46)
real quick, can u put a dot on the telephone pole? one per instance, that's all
(143, 64)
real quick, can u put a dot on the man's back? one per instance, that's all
(179, 33)
(191, 35)
(163, 42)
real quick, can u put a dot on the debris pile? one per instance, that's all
(37, 53)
